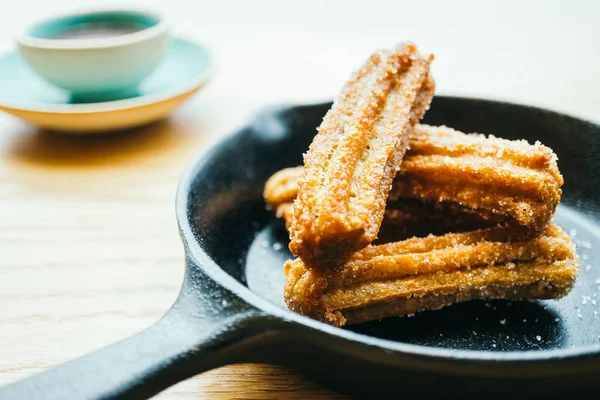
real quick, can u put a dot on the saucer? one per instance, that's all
(185, 69)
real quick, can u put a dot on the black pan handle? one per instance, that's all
(205, 326)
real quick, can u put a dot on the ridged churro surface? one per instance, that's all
(427, 273)
(355, 155)
(403, 218)
(496, 179)
(389, 217)
(506, 177)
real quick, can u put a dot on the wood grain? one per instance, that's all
(91, 252)
(89, 248)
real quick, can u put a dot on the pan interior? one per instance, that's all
(476, 325)
(232, 225)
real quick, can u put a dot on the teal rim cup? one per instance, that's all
(97, 55)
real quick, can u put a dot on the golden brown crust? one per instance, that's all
(506, 182)
(403, 218)
(379, 281)
(510, 178)
(352, 160)
(503, 193)
(282, 186)
(406, 218)
(530, 281)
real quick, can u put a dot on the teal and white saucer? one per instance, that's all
(184, 70)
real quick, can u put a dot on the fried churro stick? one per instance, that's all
(507, 182)
(353, 158)
(510, 178)
(408, 217)
(403, 218)
(282, 186)
(429, 273)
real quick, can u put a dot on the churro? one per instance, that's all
(388, 217)
(429, 273)
(507, 182)
(506, 177)
(409, 217)
(357, 151)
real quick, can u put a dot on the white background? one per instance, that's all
(545, 53)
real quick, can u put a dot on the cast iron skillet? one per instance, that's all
(230, 307)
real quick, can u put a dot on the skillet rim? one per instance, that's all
(202, 260)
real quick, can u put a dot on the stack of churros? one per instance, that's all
(389, 217)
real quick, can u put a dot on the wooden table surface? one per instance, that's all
(89, 246)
